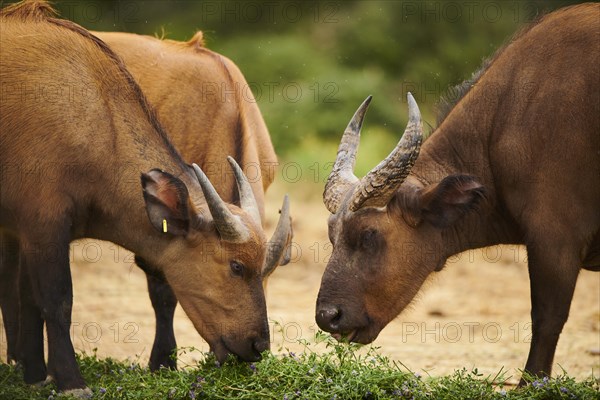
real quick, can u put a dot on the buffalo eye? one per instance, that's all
(236, 268)
(368, 239)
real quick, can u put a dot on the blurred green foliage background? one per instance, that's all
(311, 63)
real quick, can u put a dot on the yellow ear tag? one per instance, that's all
(164, 225)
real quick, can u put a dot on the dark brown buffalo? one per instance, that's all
(516, 161)
(76, 133)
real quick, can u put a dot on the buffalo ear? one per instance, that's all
(167, 202)
(444, 203)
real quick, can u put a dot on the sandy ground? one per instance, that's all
(473, 313)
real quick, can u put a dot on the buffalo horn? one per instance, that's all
(278, 250)
(247, 200)
(378, 187)
(342, 175)
(230, 226)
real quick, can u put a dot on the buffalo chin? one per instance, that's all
(243, 351)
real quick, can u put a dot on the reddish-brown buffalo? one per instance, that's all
(206, 105)
(75, 128)
(516, 160)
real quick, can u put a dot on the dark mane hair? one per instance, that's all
(455, 93)
(42, 11)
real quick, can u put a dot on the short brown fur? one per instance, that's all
(177, 77)
(516, 161)
(70, 168)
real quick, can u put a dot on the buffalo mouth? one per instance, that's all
(347, 324)
(362, 335)
(246, 350)
(344, 337)
(361, 330)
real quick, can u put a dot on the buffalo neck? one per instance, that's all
(461, 145)
(117, 211)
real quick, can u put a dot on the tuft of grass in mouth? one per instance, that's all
(339, 373)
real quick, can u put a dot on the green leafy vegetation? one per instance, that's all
(340, 372)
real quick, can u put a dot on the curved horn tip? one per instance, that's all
(356, 122)
(278, 248)
(414, 115)
(236, 167)
(286, 204)
(362, 109)
(247, 200)
(199, 173)
(232, 161)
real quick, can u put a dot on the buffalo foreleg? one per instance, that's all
(553, 273)
(30, 344)
(49, 288)
(164, 302)
(9, 302)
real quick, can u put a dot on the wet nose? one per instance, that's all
(328, 318)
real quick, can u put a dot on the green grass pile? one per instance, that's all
(339, 373)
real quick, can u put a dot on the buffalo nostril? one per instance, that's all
(328, 317)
